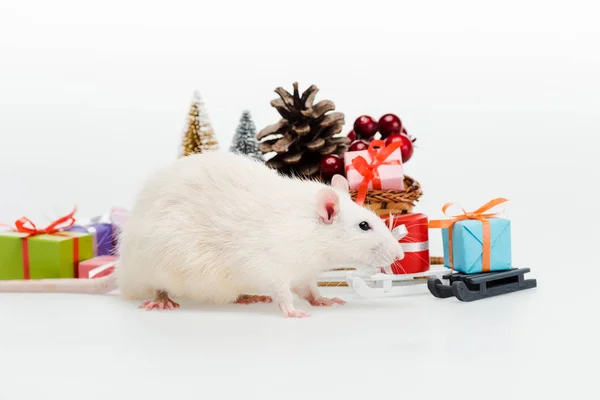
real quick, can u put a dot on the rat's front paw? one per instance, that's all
(296, 314)
(290, 312)
(326, 302)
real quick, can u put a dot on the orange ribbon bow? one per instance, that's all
(53, 229)
(479, 215)
(379, 154)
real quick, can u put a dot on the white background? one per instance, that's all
(502, 96)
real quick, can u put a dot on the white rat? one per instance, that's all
(216, 227)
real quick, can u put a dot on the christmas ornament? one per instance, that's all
(388, 124)
(358, 145)
(199, 136)
(331, 165)
(351, 136)
(406, 146)
(244, 141)
(365, 126)
(304, 135)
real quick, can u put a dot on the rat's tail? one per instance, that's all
(100, 285)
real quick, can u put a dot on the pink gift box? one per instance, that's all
(389, 174)
(97, 267)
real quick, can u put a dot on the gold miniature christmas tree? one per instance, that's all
(199, 136)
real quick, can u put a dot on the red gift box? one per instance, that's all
(415, 243)
(97, 267)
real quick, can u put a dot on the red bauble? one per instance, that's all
(365, 127)
(352, 136)
(389, 124)
(358, 145)
(406, 146)
(331, 165)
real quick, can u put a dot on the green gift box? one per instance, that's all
(43, 256)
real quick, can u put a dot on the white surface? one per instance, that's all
(502, 98)
(517, 346)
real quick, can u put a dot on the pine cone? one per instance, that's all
(304, 135)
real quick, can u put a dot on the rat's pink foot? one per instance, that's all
(285, 302)
(296, 314)
(290, 312)
(250, 299)
(161, 301)
(326, 302)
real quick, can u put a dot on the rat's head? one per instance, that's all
(358, 237)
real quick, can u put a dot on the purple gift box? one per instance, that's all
(102, 237)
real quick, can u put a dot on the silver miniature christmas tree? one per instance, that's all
(244, 141)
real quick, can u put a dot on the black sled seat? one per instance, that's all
(471, 287)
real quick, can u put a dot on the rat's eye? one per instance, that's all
(364, 226)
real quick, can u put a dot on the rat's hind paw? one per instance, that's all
(250, 299)
(161, 302)
(326, 302)
(158, 305)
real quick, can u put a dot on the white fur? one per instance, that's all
(213, 226)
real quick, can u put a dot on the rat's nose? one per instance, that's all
(399, 256)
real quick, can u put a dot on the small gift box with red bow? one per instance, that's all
(27, 252)
(97, 267)
(414, 239)
(377, 168)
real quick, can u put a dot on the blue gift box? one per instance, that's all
(467, 246)
(103, 237)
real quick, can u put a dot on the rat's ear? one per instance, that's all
(328, 205)
(340, 183)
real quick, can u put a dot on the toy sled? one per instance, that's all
(472, 287)
(391, 285)
(375, 285)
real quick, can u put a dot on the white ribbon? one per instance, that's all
(101, 268)
(415, 247)
(398, 232)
